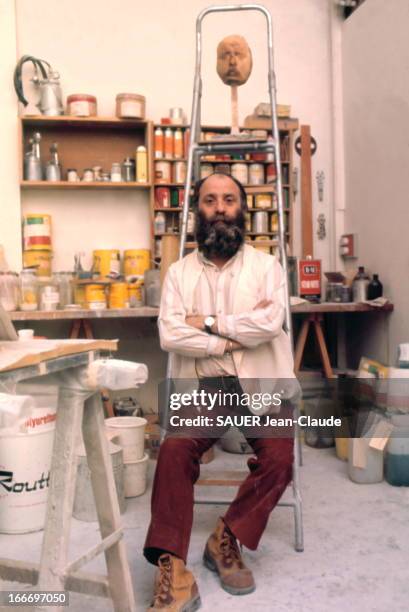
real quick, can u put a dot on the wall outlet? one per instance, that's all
(348, 246)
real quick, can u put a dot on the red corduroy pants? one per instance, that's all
(177, 470)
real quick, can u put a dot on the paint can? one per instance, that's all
(247, 222)
(163, 172)
(205, 170)
(106, 261)
(222, 168)
(260, 222)
(79, 296)
(256, 174)
(179, 172)
(26, 459)
(37, 232)
(118, 295)
(135, 293)
(274, 222)
(240, 172)
(162, 197)
(40, 260)
(136, 261)
(263, 201)
(135, 476)
(190, 222)
(250, 201)
(262, 247)
(271, 173)
(130, 435)
(95, 297)
(84, 504)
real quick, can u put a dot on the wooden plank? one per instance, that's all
(322, 347)
(79, 582)
(42, 120)
(223, 478)
(300, 346)
(93, 552)
(58, 315)
(106, 503)
(306, 193)
(82, 185)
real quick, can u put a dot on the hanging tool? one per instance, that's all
(47, 81)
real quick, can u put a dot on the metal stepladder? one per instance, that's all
(239, 145)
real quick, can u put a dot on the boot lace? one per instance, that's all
(162, 592)
(230, 549)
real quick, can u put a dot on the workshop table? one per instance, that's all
(65, 364)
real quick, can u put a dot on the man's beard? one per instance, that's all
(219, 236)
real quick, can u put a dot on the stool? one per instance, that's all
(315, 319)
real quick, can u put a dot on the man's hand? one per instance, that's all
(196, 321)
(262, 304)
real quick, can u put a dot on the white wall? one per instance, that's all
(376, 103)
(148, 47)
(10, 227)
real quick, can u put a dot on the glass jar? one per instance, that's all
(9, 290)
(28, 290)
(63, 281)
(116, 174)
(49, 295)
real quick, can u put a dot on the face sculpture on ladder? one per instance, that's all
(234, 64)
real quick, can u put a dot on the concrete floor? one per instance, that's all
(355, 558)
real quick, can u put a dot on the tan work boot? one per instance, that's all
(222, 555)
(175, 587)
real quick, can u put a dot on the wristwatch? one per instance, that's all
(208, 322)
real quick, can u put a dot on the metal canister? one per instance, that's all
(162, 197)
(190, 222)
(240, 172)
(260, 222)
(72, 175)
(179, 172)
(250, 201)
(263, 201)
(33, 170)
(271, 173)
(256, 174)
(128, 170)
(247, 222)
(97, 170)
(222, 168)
(163, 172)
(95, 297)
(205, 170)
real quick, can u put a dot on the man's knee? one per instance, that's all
(275, 454)
(178, 451)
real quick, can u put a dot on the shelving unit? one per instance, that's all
(287, 128)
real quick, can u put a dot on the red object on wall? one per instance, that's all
(309, 274)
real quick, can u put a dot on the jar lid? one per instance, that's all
(129, 96)
(78, 97)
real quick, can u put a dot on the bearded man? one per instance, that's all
(221, 319)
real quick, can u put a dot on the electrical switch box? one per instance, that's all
(348, 246)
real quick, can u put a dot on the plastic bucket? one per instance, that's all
(25, 461)
(130, 433)
(135, 477)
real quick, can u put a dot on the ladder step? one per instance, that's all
(107, 542)
(227, 146)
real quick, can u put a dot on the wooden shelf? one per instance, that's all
(168, 209)
(42, 120)
(82, 185)
(108, 313)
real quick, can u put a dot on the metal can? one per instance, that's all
(72, 175)
(128, 170)
(179, 172)
(262, 247)
(271, 173)
(205, 170)
(97, 171)
(250, 201)
(158, 249)
(247, 222)
(240, 172)
(118, 295)
(274, 222)
(260, 222)
(222, 168)
(181, 194)
(256, 174)
(263, 201)
(190, 222)
(163, 172)
(162, 197)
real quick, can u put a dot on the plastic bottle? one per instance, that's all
(169, 143)
(360, 285)
(397, 453)
(178, 144)
(141, 165)
(375, 288)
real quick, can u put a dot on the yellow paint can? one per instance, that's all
(79, 296)
(95, 296)
(136, 262)
(40, 260)
(118, 295)
(106, 261)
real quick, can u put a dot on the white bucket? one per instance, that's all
(135, 477)
(45, 398)
(25, 461)
(130, 434)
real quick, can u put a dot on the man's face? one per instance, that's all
(234, 61)
(219, 218)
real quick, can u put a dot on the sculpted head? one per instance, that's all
(234, 60)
